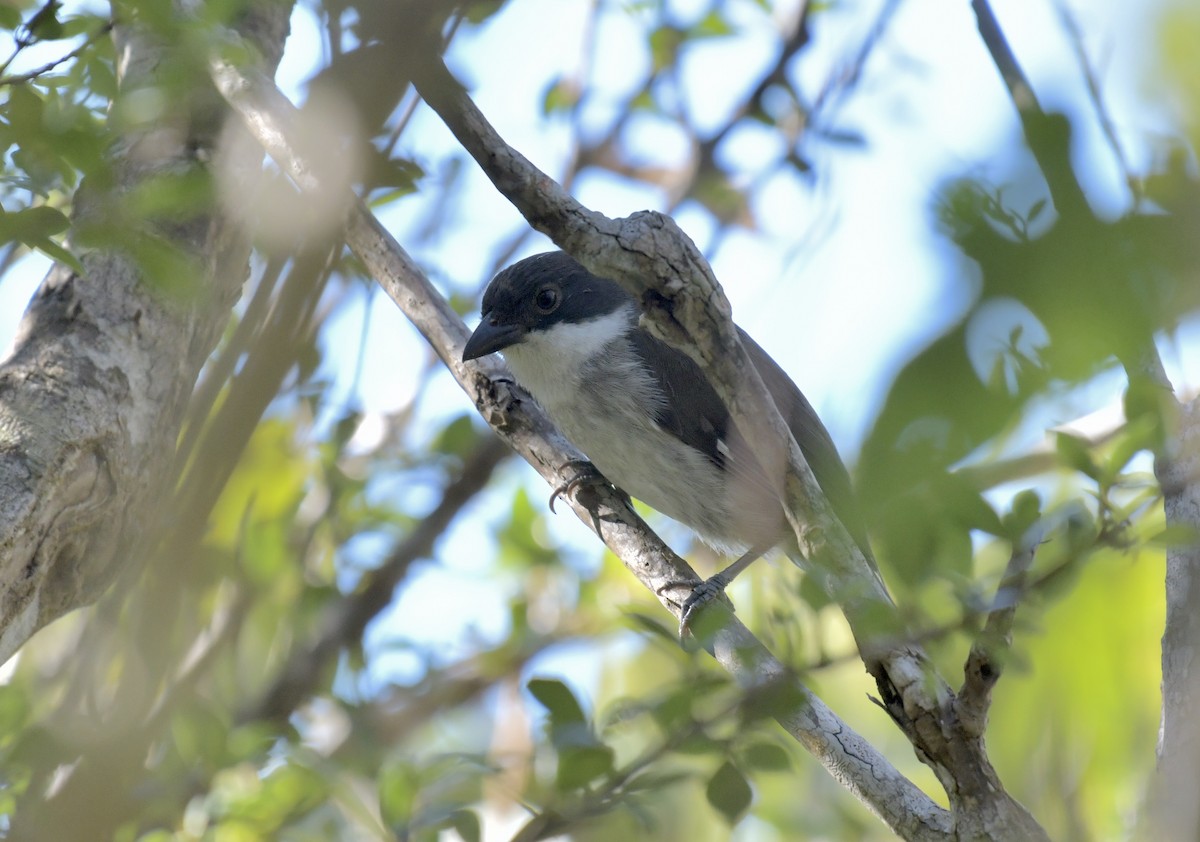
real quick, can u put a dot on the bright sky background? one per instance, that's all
(870, 286)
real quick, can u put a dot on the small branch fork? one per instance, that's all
(985, 663)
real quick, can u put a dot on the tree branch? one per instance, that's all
(30, 75)
(650, 256)
(985, 663)
(1174, 811)
(347, 619)
(847, 756)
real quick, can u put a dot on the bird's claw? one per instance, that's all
(586, 477)
(705, 593)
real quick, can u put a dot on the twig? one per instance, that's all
(1109, 130)
(48, 66)
(1048, 147)
(985, 663)
(348, 618)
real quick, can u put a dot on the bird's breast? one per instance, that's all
(605, 403)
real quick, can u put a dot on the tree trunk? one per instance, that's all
(93, 394)
(1174, 805)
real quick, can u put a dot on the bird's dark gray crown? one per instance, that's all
(513, 294)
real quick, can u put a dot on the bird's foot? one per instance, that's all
(705, 593)
(585, 475)
(586, 485)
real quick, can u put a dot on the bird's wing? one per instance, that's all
(814, 440)
(706, 427)
(709, 429)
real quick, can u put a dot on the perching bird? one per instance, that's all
(646, 416)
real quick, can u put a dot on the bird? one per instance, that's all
(645, 415)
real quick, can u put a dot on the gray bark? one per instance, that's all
(1174, 805)
(93, 393)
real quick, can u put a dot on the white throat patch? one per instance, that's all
(549, 363)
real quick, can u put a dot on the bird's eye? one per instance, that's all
(546, 299)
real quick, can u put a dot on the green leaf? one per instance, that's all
(10, 16)
(664, 45)
(399, 174)
(1075, 453)
(578, 767)
(562, 95)
(45, 26)
(558, 699)
(14, 712)
(481, 10)
(458, 438)
(466, 823)
(769, 757)
(398, 788)
(182, 195)
(652, 625)
(34, 223)
(712, 25)
(729, 792)
(1174, 535)
(1026, 509)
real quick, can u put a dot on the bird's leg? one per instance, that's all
(713, 587)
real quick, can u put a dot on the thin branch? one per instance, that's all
(50, 65)
(1107, 128)
(217, 373)
(347, 619)
(683, 305)
(985, 663)
(1048, 145)
(838, 86)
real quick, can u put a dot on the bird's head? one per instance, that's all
(538, 294)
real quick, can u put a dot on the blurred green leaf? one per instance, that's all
(466, 824)
(10, 16)
(1075, 454)
(729, 792)
(561, 95)
(712, 25)
(578, 766)
(479, 11)
(458, 438)
(398, 786)
(766, 757)
(559, 701)
(664, 45)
